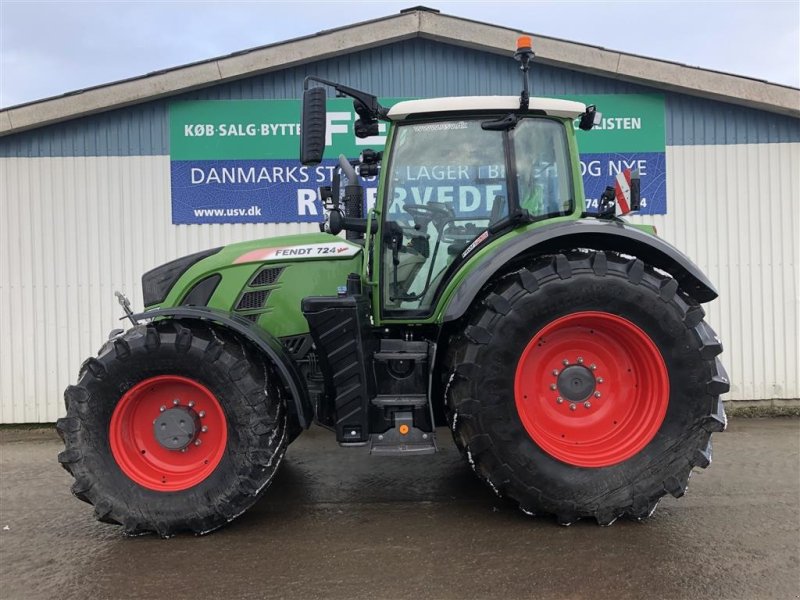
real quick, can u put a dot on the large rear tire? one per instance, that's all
(173, 427)
(586, 386)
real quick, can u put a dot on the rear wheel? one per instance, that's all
(173, 428)
(586, 386)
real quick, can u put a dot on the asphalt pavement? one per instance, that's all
(338, 523)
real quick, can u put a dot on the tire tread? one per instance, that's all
(264, 413)
(465, 412)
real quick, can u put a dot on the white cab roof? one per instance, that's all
(550, 106)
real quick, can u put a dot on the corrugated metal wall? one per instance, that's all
(73, 230)
(85, 209)
(81, 227)
(734, 210)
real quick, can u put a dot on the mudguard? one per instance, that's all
(302, 408)
(595, 234)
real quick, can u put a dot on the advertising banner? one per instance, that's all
(236, 161)
(629, 136)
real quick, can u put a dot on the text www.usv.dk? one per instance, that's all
(253, 211)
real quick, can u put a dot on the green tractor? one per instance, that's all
(567, 353)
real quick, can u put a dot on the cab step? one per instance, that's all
(403, 438)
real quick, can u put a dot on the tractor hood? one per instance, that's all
(292, 248)
(257, 278)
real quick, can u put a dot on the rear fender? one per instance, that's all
(301, 408)
(589, 233)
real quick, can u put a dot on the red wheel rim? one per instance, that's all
(141, 455)
(591, 389)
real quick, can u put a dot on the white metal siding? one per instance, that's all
(74, 229)
(733, 210)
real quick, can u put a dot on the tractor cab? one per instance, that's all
(455, 179)
(456, 174)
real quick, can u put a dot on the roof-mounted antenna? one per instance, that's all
(524, 54)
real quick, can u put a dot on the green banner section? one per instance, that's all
(630, 123)
(234, 129)
(259, 129)
(270, 129)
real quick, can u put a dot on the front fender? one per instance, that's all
(591, 233)
(301, 409)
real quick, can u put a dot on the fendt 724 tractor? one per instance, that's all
(567, 353)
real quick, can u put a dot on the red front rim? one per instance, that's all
(591, 389)
(141, 455)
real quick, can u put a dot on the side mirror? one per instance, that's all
(312, 126)
(590, 118)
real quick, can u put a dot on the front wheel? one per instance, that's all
(173, 427)
(586, 386)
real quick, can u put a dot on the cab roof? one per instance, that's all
(551, 106)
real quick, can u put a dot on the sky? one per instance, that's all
(49, 48)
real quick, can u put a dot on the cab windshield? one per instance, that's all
(448, 182)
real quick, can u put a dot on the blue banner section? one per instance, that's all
(599, 171)
(247, 191)
(282, 191)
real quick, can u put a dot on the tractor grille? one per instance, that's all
(252, 300)
(266, 276)
(256, 300)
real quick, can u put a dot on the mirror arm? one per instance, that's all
(367, 101)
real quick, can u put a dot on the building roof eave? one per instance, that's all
(417, 22)
(178, 80)
(595, 60)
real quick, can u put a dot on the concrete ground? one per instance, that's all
(338, 523)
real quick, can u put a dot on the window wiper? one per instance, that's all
(502, 124)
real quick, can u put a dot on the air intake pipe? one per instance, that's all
(353, 198)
